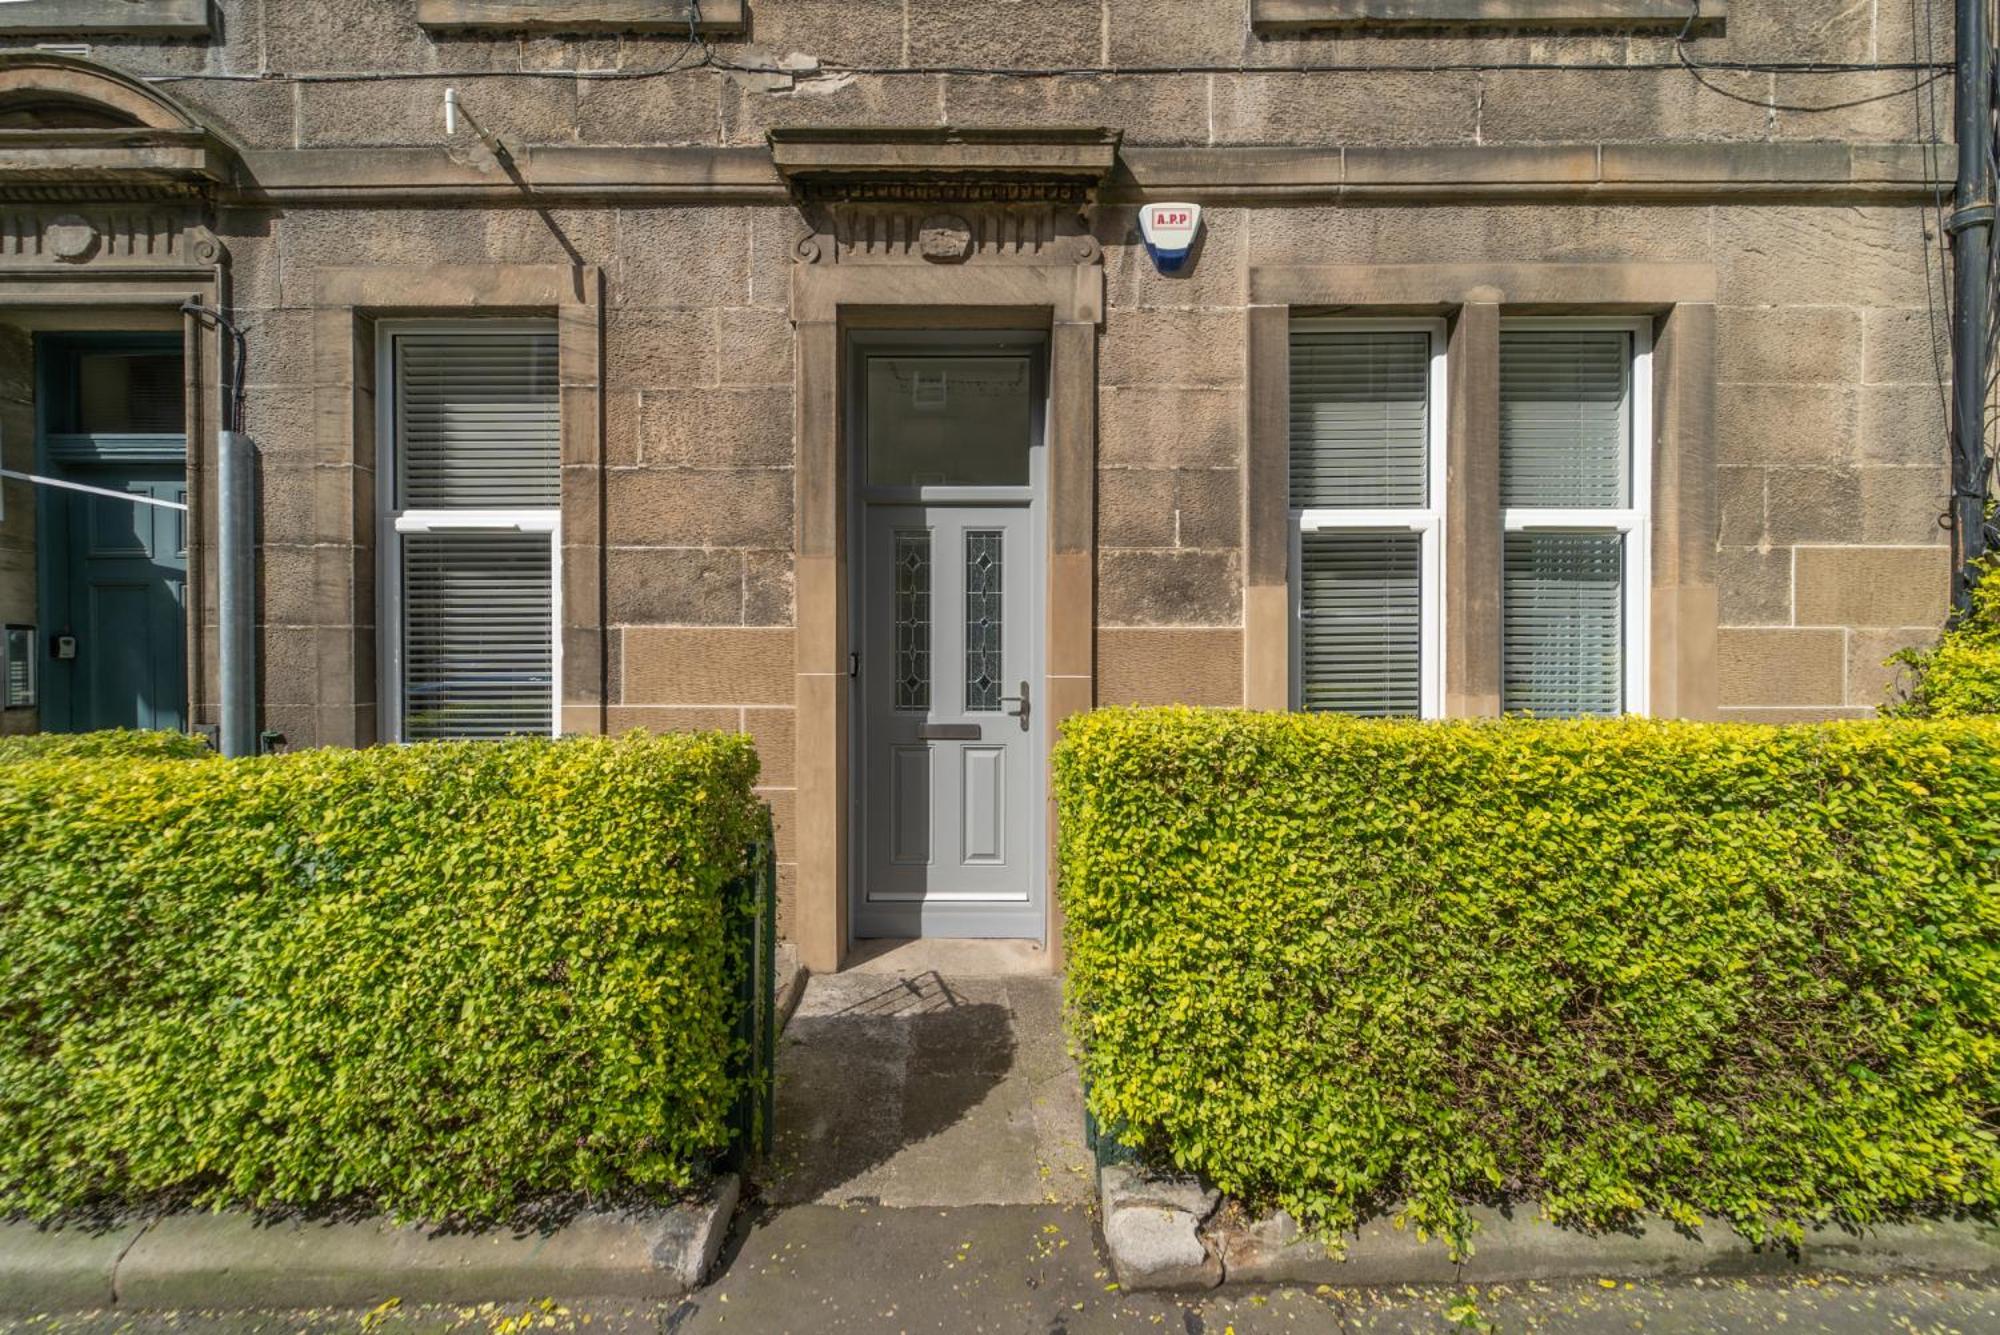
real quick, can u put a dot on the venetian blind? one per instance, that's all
(478, 421)
(1360, 419)
(1563, 624)
(1563, 437)
(1360, 622)
(478, 637)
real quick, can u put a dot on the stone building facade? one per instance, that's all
(705, 236)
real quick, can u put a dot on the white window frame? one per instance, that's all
(1429, 522)
(393, 524)
(1634, 523)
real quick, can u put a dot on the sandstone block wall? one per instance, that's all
(1828, 413)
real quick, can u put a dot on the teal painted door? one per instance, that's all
(113, 572)
(127, 602)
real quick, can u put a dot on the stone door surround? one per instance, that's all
(828, 299)
(1474, 298)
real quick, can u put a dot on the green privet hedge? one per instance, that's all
(447, 981)
(1960, 675)
(1610, 968)
(117, 743)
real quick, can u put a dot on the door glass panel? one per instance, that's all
(129, 393)
(913, 620)
(983, 621)
(949, 421)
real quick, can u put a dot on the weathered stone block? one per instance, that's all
(1785, 424)
(1762, 668)
(1008, 33)
(1135, 507)
(674, 586)
(1873, 586)
(1176, 32)
(700, 507)
(1904, 506)
(756, 346)
(768, 598)
(411, 112)
(681, 109)
(1816, 30)
(1169, 588)
(682, 257)
(776, 733)
(1754, 585)
(1585, 106)
(1782, 255)
(1167, 428)
(1905, 345)
(708, 667)
(1155, 666)
(1763, 344)
(1871, 678)
(1149, 109)
(1811, 505)
(834, 32)
(1390, 107)
(650, 348)
(1147, 347)
(716, 428)
(1152, 1228)
(754, 106)
(1904, 425)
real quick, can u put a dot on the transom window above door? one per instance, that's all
(1369, 516)
(950, 421)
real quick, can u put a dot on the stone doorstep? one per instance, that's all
(230, 1261)
(1168, 1234)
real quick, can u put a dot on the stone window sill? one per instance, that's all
(580, 16)
(124, 18)
(1276, 16)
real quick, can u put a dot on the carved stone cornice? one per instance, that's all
(1062, 166)
(106, 238)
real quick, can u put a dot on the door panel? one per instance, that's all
(127, 580)
(949, 749)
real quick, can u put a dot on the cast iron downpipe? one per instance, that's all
(1971, 228)
(236, 552)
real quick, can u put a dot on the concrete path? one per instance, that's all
(930, 1076)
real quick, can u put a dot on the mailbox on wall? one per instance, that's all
(17, 668)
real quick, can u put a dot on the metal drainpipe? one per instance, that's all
(1971, 228)
(236, 581)
(236, 551)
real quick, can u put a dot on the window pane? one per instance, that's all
(1565, 441)
(949, 421)
(985, 569)
(478, 420)
(137, 393)
(1360, 419)
(1361, 620)
(478, 638)
(913, 620)
(1563, 623)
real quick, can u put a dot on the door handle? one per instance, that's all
(1008, 701)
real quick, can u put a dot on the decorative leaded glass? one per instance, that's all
(983, 628)
(913, 620)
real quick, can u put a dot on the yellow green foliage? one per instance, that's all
(117, 742)
(1959, 677)
(1735, 972)
(441, 980)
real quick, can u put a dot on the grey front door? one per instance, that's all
(951, 767)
